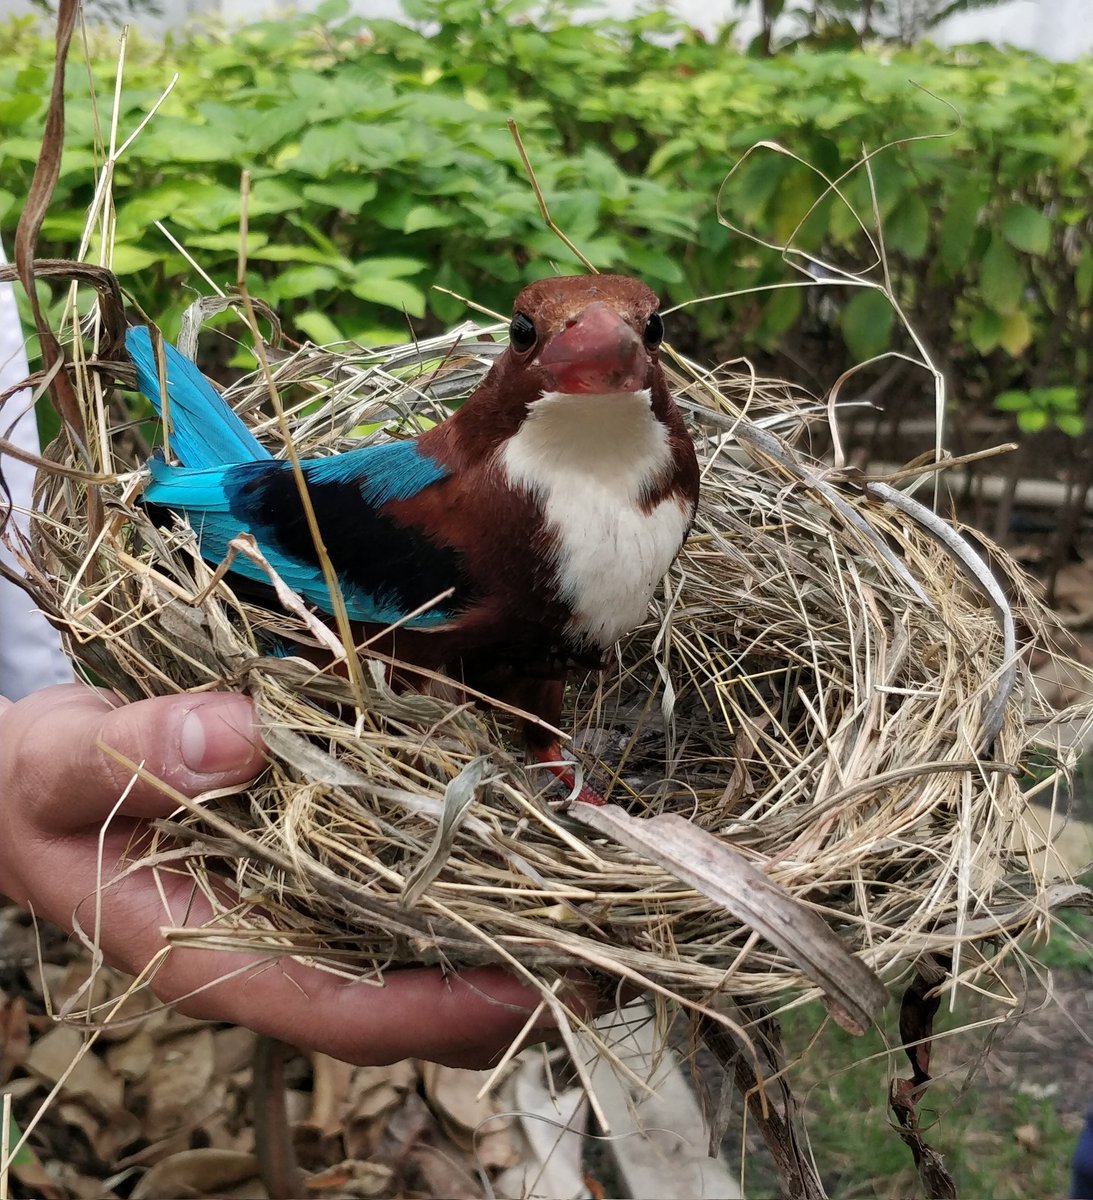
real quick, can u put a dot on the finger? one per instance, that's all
(464, 1019)
(52, 761)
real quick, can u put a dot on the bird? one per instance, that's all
(545, 509)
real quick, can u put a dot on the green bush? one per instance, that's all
(382, 166)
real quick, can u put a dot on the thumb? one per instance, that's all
(51, 751)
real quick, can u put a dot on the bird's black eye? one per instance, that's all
(522, 334)
(654, 331)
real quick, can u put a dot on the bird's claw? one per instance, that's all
(565, 772)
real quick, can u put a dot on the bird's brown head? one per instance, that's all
(574, 335)
(586, 334)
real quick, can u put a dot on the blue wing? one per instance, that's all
(385, 568)
(230, 484)
(204, 430)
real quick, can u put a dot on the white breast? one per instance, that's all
(588, 460)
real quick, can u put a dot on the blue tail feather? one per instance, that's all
(229, 484)
(205, 432)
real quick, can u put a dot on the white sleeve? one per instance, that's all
(30, 648)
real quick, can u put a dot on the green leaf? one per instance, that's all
(378, 335)
(19, 109)
(381, 147)
(1032, 420)
(446, 307)
(624, 139)
(181, 139)
(1083, 275)
(127, 259)
(1062, 396)
(1026, 229)
(867, 324)
(348, 194)
(985, 329)
(64, 225)
(322, 148)
(23, 149)
(391, 293)
(388, 268)
(31, 79)
(305, 281)
(391, 211)
(791, 205)
(426, 216)
(319, 239)
(651, 263)
(228, 240)
(780, 312)
(271, 195)
(49, 426)
(672, 150)
(26, 1156)
(298, 253)
(958, 226)
(1001, 277)
(1012, 401)
(907, 229)
(319, 328)
(156, 203)
(1071, 424)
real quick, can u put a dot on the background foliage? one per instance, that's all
(382, 166)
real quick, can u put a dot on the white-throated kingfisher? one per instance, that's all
(550, 504)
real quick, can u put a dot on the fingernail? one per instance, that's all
(219, 735)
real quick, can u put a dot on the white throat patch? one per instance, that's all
(588, 460)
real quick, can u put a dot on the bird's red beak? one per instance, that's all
(596, 353)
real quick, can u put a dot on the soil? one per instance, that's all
(1049, 1052)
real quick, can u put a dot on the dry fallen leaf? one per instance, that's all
(453, 1094)
(497, 1149)
(330, 1084)
(180, 1083)
(233, 1050)
(373, 1093)
(106, 1135)
(445, 1173)
(374, 1090)
(133, 1058)
(471, 1122)
(195, 1173)
(52, 1056)
(351, 1178)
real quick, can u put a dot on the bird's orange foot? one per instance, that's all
(552, 758)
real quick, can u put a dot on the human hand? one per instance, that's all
(57, 789)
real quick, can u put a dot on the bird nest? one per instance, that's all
(820, 735)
